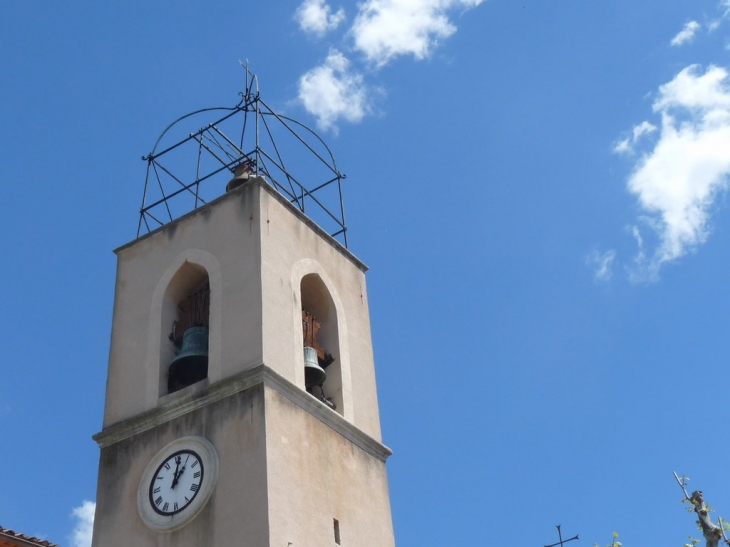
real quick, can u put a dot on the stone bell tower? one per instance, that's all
(216, 430)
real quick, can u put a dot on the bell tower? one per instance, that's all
(241, 404)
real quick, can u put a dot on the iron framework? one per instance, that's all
(195, 169)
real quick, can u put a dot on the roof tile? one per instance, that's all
(8, 533)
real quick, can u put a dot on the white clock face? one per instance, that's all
(177, 483)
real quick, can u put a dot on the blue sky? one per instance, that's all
(538, 187)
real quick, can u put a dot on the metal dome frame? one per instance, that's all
(319, 196)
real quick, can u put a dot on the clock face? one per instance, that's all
(177, 483)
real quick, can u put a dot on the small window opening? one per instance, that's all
(337, 532)
(189, 335)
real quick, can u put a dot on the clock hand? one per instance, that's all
(176, 475)
(180, 473)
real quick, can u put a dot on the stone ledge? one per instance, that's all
(326, 415)
(260, 374)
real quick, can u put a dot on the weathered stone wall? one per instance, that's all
(237, 512)
(315, 476)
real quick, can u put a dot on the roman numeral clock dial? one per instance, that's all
(177, 483)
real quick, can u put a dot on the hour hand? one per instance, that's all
(176, 474)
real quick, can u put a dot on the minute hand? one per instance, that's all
(177, 476)
(176, 473)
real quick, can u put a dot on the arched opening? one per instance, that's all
(185, 324)
(321, 347)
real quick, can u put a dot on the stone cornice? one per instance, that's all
(325, 414)
(191, 399)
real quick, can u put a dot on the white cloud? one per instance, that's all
(627, 145)
(677, 181)
(316, 17)
(382, 30)
(686, 34)
(333, 91)
(84, 527)
(602, 263)
(385, 29)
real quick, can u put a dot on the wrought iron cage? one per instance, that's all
(194, 169)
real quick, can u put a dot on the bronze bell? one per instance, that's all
(314, 375)
(241, 174)
(191, 364)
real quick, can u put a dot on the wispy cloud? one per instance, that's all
(690, 29)
(386, 29)
(84, 527)
(602, 264)
(677, 181)
(626, 146)
(382, 31)
(316, 17)
(332, 91)
(725, 7)
(687, 34)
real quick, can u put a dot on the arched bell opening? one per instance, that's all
(185, 324)
(321, 348)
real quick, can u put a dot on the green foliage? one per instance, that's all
(692, 542)
(614, 542)
(695, 507)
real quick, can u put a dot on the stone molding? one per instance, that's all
(193, 398)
